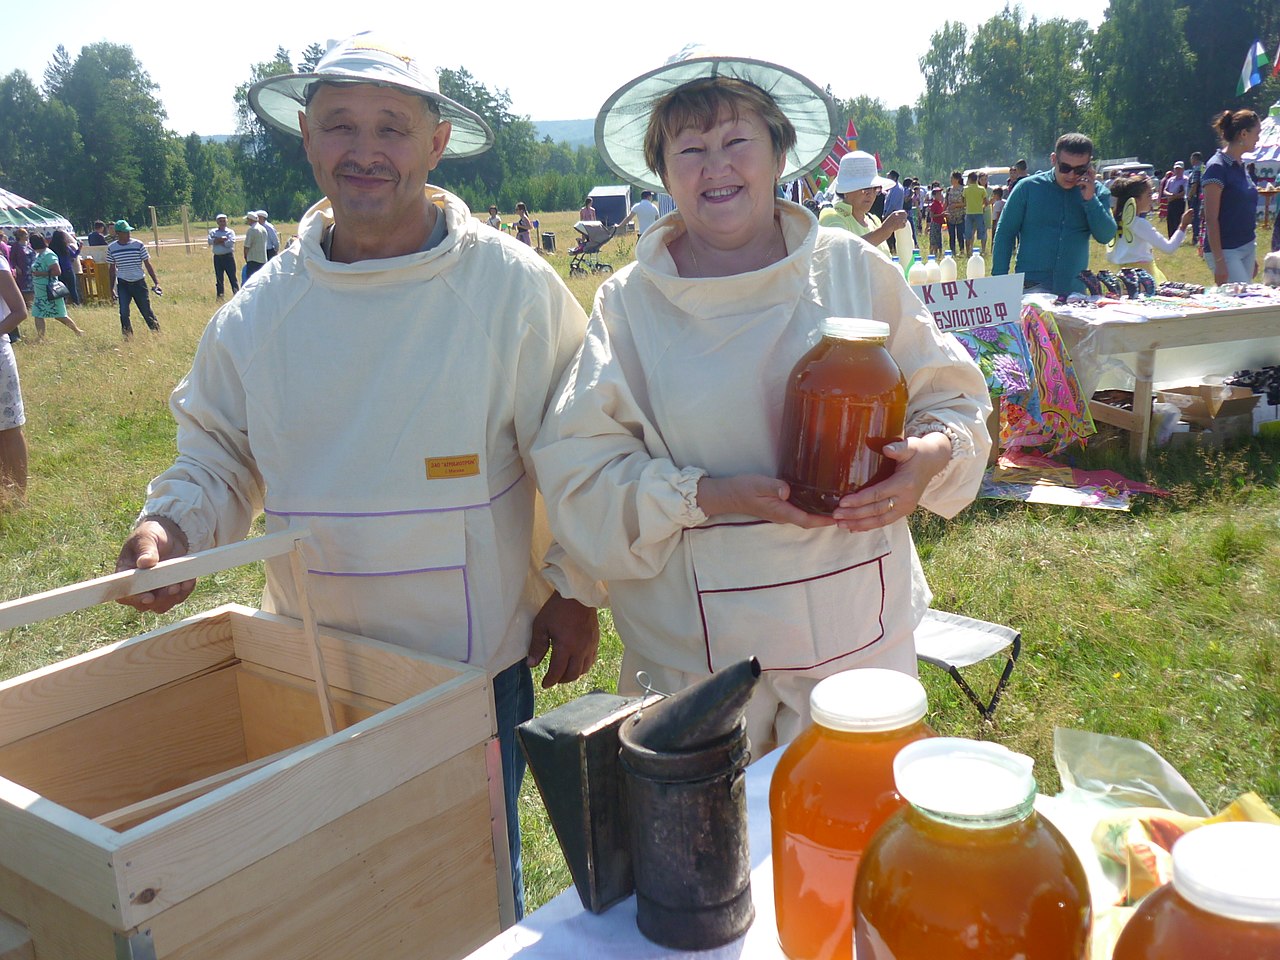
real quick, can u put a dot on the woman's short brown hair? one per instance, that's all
(700, 104)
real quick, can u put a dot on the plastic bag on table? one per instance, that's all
(1156, 805)
(1126, 772)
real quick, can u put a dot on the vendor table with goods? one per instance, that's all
(562, 930)
(1163, 340)
(1045, 358)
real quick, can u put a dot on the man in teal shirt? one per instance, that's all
(1051, 215)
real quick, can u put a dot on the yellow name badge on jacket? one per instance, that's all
(448, 468)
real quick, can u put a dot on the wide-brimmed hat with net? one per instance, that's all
(368, 58)
(624, 119)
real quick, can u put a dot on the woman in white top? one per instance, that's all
(1136, 237)
(857, 183)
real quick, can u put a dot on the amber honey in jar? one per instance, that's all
(831, 791)
(968, 870)
(846, 399)
(1223, 901)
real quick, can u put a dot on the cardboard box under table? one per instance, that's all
(1213, 407)
(175, 796)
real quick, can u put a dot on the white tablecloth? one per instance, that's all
(1107, 349)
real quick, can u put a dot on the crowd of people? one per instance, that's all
(522, 225)
(48, 269)
(260, 243)
(1043, 229)
(38, 262)
(39, 277)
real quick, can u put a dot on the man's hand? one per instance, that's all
(572, 632)
(1089, 184)
(153, 540)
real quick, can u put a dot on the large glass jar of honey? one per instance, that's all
(1223, 901)
(968, 870)
(831, 791)
(846, 399)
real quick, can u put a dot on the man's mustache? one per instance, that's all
(351, 168)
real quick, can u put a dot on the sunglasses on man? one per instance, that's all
(1080, 171)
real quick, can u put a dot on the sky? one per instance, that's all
(556, 61)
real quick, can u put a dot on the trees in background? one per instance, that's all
(543, 174)
(40, 141)
(272, 168)
(1142, 39)
(91, 140)
(1145, 83)
(1002, 94)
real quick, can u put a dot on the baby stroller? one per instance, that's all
(594, 236)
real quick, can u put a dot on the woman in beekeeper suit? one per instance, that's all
(659, 461)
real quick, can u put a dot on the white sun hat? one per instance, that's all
(369, 58)
(857, 172)
(624, 119)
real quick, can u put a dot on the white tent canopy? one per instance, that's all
(16, 211)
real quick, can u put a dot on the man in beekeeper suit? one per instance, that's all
(382, 381)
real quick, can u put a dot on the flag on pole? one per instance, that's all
(1251, 72)
(831, 165)
(1275, 65)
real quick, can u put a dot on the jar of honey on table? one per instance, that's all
(1223, 901)
(968, 870)
(831, 791)
(846, 399)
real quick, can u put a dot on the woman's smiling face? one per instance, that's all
(723, 180)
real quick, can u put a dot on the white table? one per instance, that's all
(1165, 349)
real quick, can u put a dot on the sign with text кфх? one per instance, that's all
(961, 304)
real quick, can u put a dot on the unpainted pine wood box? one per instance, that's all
(175, 796)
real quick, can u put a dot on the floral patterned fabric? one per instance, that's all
(1030, 373)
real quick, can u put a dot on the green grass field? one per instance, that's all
(1160, 624)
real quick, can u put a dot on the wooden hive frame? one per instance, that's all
(207, 813)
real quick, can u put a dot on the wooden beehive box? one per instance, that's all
(175, 796)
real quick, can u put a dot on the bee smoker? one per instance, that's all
(683, 761)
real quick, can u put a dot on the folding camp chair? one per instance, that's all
(950, 641)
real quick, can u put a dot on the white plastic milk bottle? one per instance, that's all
(919, 272)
